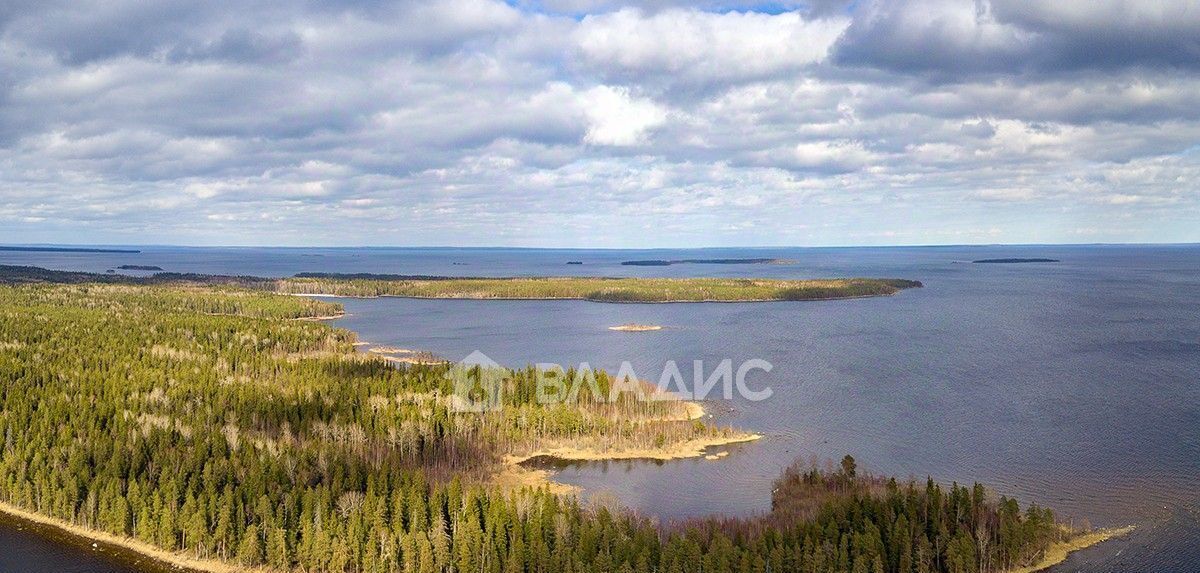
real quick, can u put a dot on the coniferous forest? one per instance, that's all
(208, 420)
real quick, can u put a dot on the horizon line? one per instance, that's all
(530, 248)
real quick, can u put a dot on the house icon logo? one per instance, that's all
(478, 384)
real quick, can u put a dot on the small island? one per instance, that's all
(636, 327)
(668, 262)
(140, 268)
(574, 262)
(1009, 261)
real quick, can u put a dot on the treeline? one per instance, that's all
(201, 420)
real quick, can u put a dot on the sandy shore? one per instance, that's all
(636, 327)
(326, 317)
(415, 359)
(1059, 552)
(178, 560)
(693, 448)
(389, 350)
(405, 355)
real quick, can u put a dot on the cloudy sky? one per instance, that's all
(596, 123)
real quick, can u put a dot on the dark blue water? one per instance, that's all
(27, 547)
(1073, 384)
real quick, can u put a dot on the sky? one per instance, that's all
(596, 123)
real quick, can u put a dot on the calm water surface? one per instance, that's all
(1072, 384)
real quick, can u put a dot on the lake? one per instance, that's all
(1073, 384)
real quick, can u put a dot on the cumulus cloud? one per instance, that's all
(617, 118)
(808, 122)
(688, 45)
(950, 38)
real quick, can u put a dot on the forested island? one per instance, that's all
(207, 426)
(1014, 260)
(140, 268)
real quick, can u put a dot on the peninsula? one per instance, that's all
(667, 262)
(594, 289)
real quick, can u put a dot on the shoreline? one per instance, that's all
(320, 318)
(1059, 552)
(513, 472)
(673, 301)
(692, 448)
(168, 560)
(601, 301)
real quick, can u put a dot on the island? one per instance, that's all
(140, 268)
(574, 262)
(667, 262)
(239, 437)
(636, 327)
(1004, 261)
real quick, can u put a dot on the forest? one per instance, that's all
(209, 420)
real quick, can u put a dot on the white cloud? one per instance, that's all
(704, 46)
(346, 123)
(617, 118)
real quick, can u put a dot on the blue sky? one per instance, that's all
(590, 123)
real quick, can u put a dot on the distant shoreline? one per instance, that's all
(67, 250)
(498, 298)
(668, 262)
(1015, 261)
